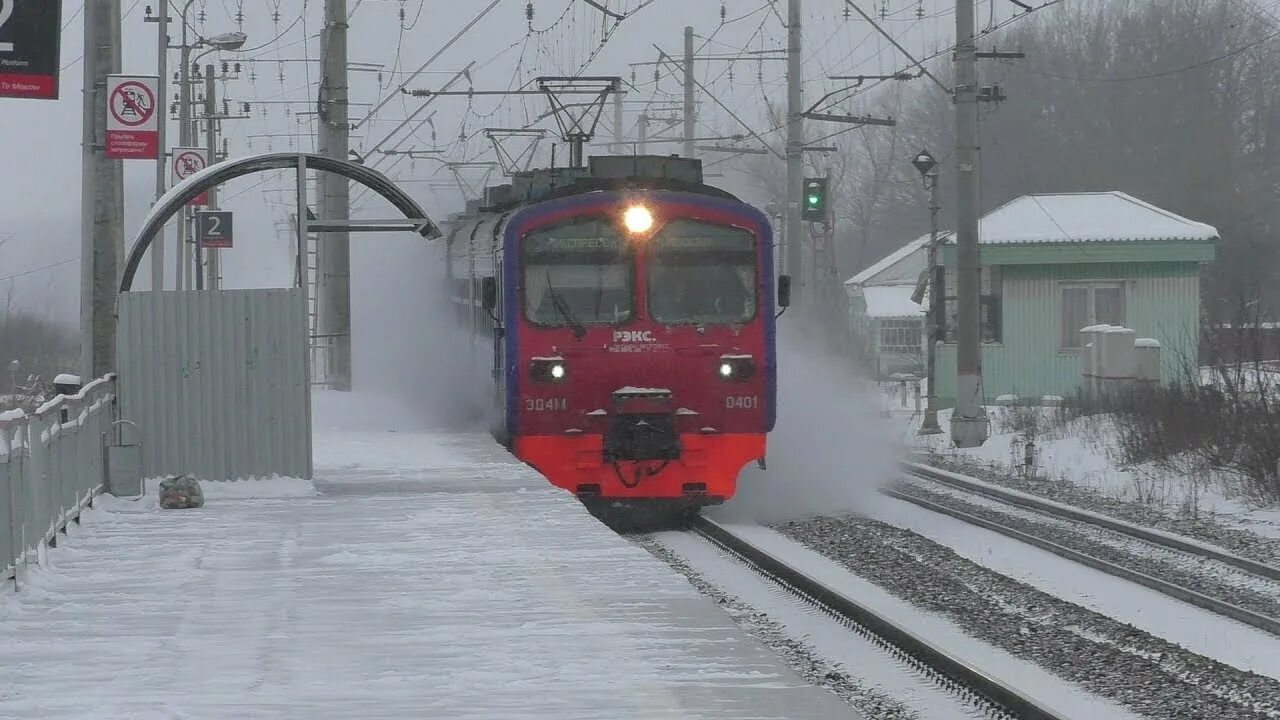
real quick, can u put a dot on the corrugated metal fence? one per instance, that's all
(217, 381)
(50, 468)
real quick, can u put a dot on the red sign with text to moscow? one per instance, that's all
(30, 42)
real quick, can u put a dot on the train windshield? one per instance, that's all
(703, 274)
(576, 274)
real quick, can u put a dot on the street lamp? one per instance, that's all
(927, 166)
(224, 41)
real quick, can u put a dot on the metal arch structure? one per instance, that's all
(415, 218)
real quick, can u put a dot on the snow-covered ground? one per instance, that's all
(422, 574)
(1082, 457)
(1197, 630)
(1069, 700)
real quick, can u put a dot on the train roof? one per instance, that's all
(602, 172)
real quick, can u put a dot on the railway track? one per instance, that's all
(1209, 578)
(989, 695)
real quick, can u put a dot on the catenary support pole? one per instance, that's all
(643, 133)
(335, 248)
(795, 152)
(619, 132)
(690, 111)
(968, 422)
(162, 161)
(99, 197)
(211, 268)
(116, 225)
(184, 266)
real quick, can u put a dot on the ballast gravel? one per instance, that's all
(1204, 527)
(1149, 675)
(801, 657)
(1205, 576)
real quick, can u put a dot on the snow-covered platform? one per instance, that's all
(422, 575)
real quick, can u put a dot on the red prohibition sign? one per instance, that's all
(188, 164)
(127, 94)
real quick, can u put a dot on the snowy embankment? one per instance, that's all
(1077, 465)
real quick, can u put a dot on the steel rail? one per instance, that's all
(965, 678)
(1178, 592)
(1059, 510)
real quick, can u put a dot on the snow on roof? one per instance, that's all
(869, 273)
(1109, 216)
(890, 301)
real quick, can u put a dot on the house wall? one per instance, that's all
(866, 344)
(1162, 301)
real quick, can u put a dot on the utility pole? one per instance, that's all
(795, 146)
(101, 199)
(211, 140)
(690, 113)
(969, 421)
(335, 249)
(619, 132)
(183, 277)
(162, 165)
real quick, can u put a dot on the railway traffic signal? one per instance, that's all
(814, 206)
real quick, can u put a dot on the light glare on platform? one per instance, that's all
(638, 219)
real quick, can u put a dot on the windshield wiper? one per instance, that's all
(562, 307)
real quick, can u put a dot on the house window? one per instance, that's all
(900, 336)
(1085, 304)
(990, 312)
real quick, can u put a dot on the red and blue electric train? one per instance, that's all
(631, 309)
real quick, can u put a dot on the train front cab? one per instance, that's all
(640, 350)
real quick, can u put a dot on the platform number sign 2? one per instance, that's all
(214, 229)
(30, 40)
(6, 14)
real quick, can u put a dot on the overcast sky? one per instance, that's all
(40, 142)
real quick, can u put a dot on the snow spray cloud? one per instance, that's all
(830, 450)
(414, 368)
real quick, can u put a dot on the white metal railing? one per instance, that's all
(51, 467)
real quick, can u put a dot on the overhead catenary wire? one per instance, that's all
(412, 76)
(42, 268)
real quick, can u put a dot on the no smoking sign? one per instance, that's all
(133, 125)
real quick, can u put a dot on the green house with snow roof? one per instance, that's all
(887, 324)
(1053, 264)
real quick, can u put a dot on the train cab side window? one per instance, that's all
(578, 273)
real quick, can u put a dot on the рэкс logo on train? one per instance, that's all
(633, 336)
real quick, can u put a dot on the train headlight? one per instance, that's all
(638, 219)
(548, 369)
(736, 368)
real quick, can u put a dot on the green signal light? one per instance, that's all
(813, 199)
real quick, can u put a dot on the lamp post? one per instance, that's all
(928, 169)
(225, 41)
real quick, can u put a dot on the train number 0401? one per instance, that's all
(546, 404)
(742, 402)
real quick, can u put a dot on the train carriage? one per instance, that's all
(629, 309)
